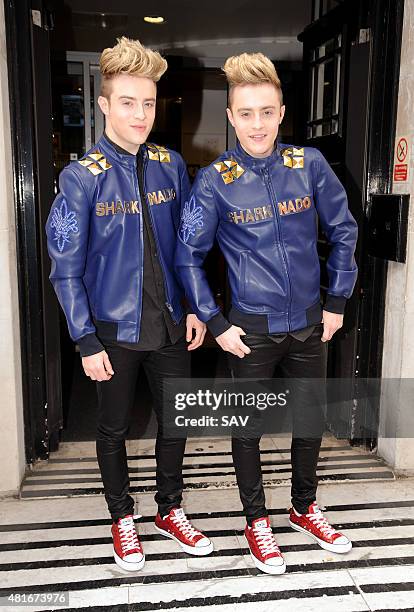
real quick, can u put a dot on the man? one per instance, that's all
(111, 237)
(262, 201)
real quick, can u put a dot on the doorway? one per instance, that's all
(191, 119)
(51, 29)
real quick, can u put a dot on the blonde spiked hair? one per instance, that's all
(130, 57)
(251, 69)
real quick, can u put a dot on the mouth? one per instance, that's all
(258, 137)
(139, 128)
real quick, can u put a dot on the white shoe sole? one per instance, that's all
(199, 551)
(127, 565)
(336, 548)
(268, 569)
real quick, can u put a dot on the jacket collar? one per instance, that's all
(258, 163)
(117, 153)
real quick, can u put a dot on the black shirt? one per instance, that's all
(157, 327)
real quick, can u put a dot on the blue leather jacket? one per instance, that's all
(264, 213)
(95, 239)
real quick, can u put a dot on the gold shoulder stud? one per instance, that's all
(158, 153)
(229, 170)
(95, 162)
(293, 157)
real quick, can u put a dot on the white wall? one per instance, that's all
(12, 456)
(398, 354)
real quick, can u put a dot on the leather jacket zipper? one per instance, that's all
(141, 242)
(269, 185)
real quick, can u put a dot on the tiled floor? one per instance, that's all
(56, 543)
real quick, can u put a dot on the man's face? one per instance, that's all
(256, 114)
(130, 110)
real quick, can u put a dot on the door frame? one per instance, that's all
(381, 21)
(28, 52)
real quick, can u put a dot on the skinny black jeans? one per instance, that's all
(301, 361)
(115, 401)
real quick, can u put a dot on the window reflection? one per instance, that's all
(325, 72)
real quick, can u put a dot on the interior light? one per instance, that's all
(154, 19)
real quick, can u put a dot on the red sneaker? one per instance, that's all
(317, 527)
(128, 552)
(263, 548)
(177, 527)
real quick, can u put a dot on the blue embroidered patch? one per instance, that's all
(192, 218)
(64, 223)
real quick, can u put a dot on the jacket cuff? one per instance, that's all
(89, 345)
(218, 324)
(335, 303)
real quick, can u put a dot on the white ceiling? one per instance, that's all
(209, 31)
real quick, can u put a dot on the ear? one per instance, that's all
(282, 113)
(103, 104)
(230, 116)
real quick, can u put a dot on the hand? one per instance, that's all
(230, 341)
(98, 367)
(200, 329)
(331, 323)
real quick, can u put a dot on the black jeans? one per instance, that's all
(115, 400)
(302, 361)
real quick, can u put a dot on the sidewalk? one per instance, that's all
(63, 544)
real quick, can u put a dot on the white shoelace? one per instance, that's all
(265, 540)
(185, 526)
(318, 519)
(128, 533)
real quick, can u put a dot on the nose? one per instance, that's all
(140, 112)
(257, 121)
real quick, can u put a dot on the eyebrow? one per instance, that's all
(132, 98)
(262, 108)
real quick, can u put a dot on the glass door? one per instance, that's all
(77, 119)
